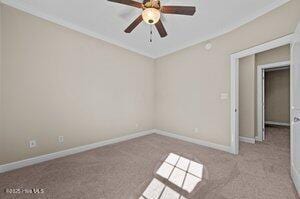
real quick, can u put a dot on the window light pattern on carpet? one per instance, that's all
(181, 171)
(158, 190)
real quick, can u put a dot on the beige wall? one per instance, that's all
(1, 131)
(278, 96)
(272, 56)
(59, 82)
(189, 82)
(247, 90)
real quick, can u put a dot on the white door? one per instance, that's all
(263, 104)
(260, 103)
(295, 108)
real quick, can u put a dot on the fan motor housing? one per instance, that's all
(152, 4)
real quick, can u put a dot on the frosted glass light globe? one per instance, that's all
(151, 15)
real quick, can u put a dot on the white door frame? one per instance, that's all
(260, 94)
(234, 111)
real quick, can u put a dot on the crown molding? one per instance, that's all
(96, 35)
(71, 26)
(228, 29)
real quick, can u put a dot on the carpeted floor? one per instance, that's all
(124, 170)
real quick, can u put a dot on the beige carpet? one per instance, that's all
(124, 170)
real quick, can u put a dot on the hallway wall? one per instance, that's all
(247, 96)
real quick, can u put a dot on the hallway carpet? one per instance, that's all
(124, 170)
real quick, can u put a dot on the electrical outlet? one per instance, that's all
(60, 139)
(196, 130)
(137, 125)
(32, 143)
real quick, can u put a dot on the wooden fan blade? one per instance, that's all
(161, 29)
(180, 10)
(128, 3)
(134, 24)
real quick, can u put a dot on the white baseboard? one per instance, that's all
(296, 178)
(258, 139)
(248, 140)
(277, 123)
(195, 141)
(59, 154)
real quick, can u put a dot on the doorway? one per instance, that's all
(263, 92)
(294, 41)
(273, 97)
(235, 58)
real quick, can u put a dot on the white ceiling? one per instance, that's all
(107, 21)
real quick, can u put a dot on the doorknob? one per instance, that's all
(296, 119)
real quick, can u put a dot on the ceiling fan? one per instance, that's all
(151, 13)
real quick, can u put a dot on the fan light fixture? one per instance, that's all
(151, 15)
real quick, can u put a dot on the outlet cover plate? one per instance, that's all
(32, 143)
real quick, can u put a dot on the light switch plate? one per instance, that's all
(224, 96)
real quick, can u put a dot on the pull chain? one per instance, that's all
(151, 34)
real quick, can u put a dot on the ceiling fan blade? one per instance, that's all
(134, 24)
(161, 29)
(128, 3)
(180, 10)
